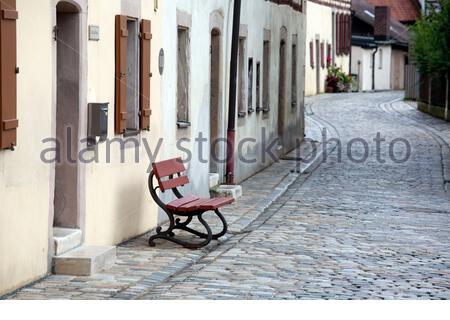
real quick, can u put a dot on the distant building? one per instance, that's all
(404, 11)
(379, 48)
(328, 31)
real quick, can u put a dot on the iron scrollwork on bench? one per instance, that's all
(168, 175)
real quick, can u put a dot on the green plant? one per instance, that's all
(430, 40)
(337, 79)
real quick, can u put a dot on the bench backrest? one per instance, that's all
(163, 170)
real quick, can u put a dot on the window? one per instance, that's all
(242, 109)
(8, 103)
(294, 76)
(183, 78)
(311, 54)
(266, 76)
(258, 86)
(132, 96)
(250, 85)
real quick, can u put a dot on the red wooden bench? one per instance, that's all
(169, 176)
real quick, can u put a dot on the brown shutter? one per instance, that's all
(146, 36)
(322, 54)
(349, 34)
(346, 34)
(311, 54)
(342, 34)
(338, 33)
(121, 74)
(8, 84)
(328, 55)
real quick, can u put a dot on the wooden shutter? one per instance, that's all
(311, 54)
(345, 34)
(349, 33)
(146, 36)
(342, 36)
(322, 54)
(121, 74)
(338, 24)
(8, 81)
(328, 55)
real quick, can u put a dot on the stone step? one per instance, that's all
(213, 180)
(65, 240)
(84, 260)
(234, 191)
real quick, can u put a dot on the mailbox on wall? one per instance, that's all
(97, 123)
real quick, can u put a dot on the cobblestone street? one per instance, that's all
(343, 229)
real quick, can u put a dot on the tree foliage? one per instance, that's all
(431, 40)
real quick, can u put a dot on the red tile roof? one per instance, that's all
(401, 10)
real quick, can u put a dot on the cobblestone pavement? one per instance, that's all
(346, 230)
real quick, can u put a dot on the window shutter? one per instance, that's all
(342, 34)
(345, 34)
(311, 54)
(146, 36)
(349, 33)
(328, 55)
(337, 34)
(8, 81)
(322, 55)
(121, 74)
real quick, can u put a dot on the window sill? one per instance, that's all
(251, 110)
(294, 105)
(183, 124)
(266, 110)
(242, 114)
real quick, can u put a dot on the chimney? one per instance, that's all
(382, 23)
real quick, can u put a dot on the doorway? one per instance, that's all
(216, 143)
(67, 37)
(282, 91)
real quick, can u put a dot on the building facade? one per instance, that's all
(379, 48)
(97, 89)
(327, 41)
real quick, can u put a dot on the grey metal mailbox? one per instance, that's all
(97, 122)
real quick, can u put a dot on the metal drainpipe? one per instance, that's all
(373, 68)
(232, 97)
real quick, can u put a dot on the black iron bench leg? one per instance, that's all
(169, 235)
(184, 227)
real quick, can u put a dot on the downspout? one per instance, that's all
(373, 68)
(231, 132)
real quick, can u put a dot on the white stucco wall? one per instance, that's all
(118, 204)
(114, 201)
(24, 179)
(319, 25)
(384, 72)
(271, 17)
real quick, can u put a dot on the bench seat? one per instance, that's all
(194, 203)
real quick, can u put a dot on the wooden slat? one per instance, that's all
(168, 167)
(8, 81)
(146, 29)
(173, 183)
(216, 203)
(192, 206)
(121, 72)
(179, 202)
